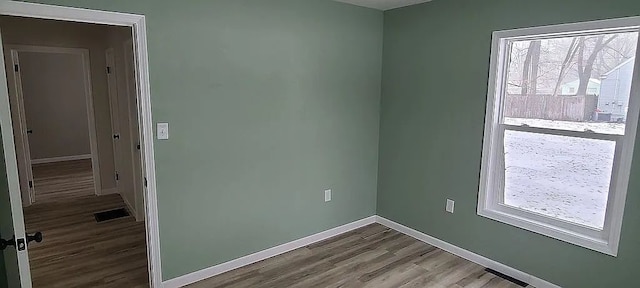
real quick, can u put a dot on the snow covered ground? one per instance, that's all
(598, 127)
(563, 177)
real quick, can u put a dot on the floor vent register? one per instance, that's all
(111, 214)
(508, 278)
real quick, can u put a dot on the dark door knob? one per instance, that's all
(21, 246)
(35, 237)
(6, 243)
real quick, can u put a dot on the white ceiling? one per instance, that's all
(383, 4)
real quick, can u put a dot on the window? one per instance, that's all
(557, 153)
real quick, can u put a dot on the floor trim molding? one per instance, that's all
(481, 260)
(275, 251)
(265, 254)
(60, 159)
(108, 191)
(130, 208)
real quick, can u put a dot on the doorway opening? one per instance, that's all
(53, 117)
(57, 87)
(77, 141)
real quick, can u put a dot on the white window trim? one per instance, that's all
(606, 240)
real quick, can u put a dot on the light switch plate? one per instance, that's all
(163, 131)
(327, 195)
(450, 205)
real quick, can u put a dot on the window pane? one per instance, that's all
(559, 176)
(571, 83)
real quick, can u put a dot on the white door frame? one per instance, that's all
(17, 86)
(21, 136)
(138, 25)
(13, 184)
(134, 124)
(119, 149)
(113, 107)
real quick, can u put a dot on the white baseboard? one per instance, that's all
(481, 260)
(275, 251)
(60, 159)
(265, 254)
(108, 191)
(131, 208)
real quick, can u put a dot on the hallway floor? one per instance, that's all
(62, 181)
(76, 250)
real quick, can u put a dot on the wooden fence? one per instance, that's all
(564, 108)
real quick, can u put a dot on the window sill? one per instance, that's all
(600, 245)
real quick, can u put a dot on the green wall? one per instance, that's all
(3, 272)
(269, 103)
(435, 69)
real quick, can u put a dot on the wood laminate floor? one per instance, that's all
(373, 256)
(77, 251)
(61, 181)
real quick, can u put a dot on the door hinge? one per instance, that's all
(30, 184)
(108, 70)
(145, 181)
(16, 67)
(117, 176)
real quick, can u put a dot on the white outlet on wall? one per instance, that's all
(327, 195)
(450, 205)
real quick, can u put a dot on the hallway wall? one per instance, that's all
(24, 31)
(130, 174)
(55, 103)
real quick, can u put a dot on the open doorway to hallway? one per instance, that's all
(73, 90)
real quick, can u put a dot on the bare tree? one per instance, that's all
(566, 64)
(545, 66)
(530, 69)
(585, 66)
(615, 53)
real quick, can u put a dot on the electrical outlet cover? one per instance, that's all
(327, 195)
(450, 205)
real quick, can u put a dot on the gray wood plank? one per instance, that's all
(372, 256)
